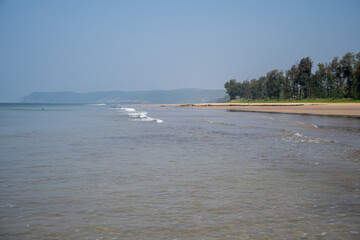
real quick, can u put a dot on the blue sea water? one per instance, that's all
(150, 172)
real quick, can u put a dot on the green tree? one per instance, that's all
(254, 89)
(357, 76)
(347, 71)
(319, 80)
(273, 84)
(335, 79)
(232, 88)
(329, 82)
(305, 66)
(293, 76)
(287, 87)
(335, 74)
(245, 90)
(262, 87)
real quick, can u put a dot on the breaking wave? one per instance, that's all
(97, 104)
(307, 125)
(136, 115)
(295, 137)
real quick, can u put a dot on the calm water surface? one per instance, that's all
(142, 172)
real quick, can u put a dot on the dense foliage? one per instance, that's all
(337, 79)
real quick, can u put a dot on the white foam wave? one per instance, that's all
(149, 119)
(10, 205)
(137, 115)
(292, 136)
(128, 109)
(308, 125)
(97, 104)
(206, 121)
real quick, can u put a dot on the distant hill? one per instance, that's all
(188, 95)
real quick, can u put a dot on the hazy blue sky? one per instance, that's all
(88, 46)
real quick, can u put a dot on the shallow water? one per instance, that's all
(142, 172)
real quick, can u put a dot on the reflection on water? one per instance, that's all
(92, 172)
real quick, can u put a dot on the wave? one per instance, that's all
(219, 123)
(307, 125)
(128, 109)
(149, 119)
(206, 121)
(97, 104)
(9, 205)
(293, 136)
(137, 115)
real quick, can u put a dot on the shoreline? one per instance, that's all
(326, 109)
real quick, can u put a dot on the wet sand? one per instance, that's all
(332, 109)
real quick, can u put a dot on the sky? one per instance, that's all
(86, 46)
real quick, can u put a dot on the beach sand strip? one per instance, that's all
(332, 109)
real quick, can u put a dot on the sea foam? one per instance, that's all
(137, 115)
(128, 109)
(293, 136)
(97, 104)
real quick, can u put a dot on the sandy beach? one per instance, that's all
(332, 109)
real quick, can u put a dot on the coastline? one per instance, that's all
(329, 109)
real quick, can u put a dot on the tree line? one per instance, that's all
(339, 78)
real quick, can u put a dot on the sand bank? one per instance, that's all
(333, 109)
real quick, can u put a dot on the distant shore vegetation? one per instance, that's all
(336, 81)
(307, 100)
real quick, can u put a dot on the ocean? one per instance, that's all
(151, 172)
